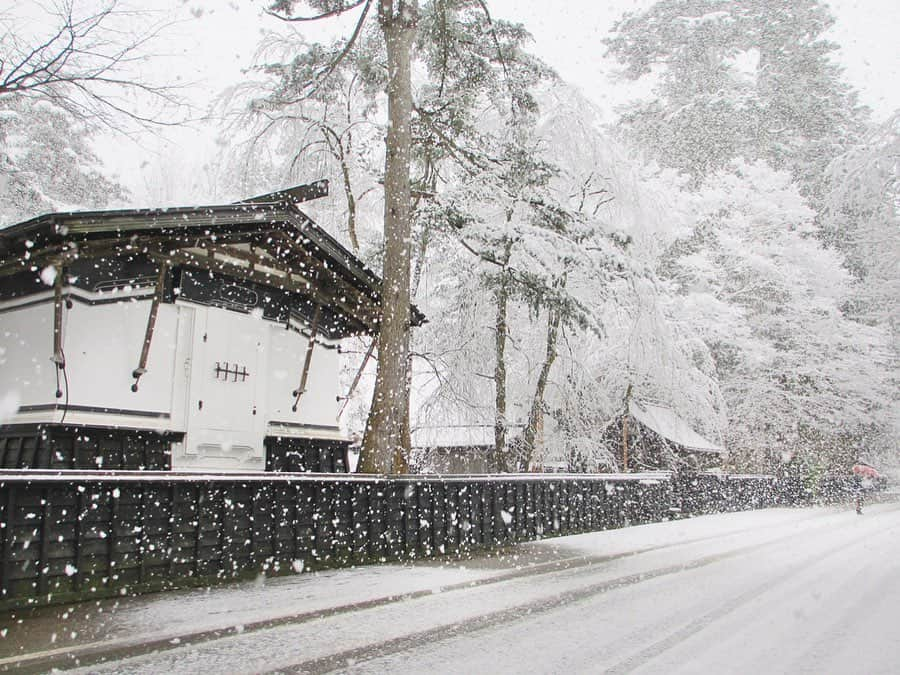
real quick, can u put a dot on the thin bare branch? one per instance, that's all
(317, 17)
(80, 63)
(333, 64)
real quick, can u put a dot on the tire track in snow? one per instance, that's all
(850, 617)
(124, 648)
(661, 646)
(342, 660)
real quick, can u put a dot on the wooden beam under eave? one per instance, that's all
(366, 318)
(165, 248)
(294, 253)
(282, 263)
(320, 274)
(71, 251)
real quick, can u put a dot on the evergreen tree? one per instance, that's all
(560, 294)
(751, 79)
(46, 163)
(862, 219)
(798, 376)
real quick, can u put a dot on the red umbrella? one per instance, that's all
(865, 471)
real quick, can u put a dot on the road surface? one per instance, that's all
(778, 591)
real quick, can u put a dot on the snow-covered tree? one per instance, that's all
(557, 346)
(534, 250)
(862, 219)
(748, 104)
(751, 79)
(386, 442)
(46, 162)
(81, 57)
(466, 57)
(284, 131)
(765, 294)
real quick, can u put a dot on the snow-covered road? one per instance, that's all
(807, 590)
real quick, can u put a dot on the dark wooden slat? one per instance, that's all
(43, 564)
(9, 508)
(142, 537)
(78, 537)
(225, 561)
(198, 528)
(410, 529)
(170, 535)
(111, 535)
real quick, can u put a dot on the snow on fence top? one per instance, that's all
(75, 476)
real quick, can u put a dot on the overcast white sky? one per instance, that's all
(214, 40)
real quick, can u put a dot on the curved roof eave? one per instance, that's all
(242, 217)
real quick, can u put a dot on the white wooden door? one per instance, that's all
(226, 405)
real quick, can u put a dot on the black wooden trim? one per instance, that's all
(42, 407)
(301, 425)
(300, 455)
(8, 538)
(80, 299)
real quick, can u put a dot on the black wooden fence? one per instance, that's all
(70, 535)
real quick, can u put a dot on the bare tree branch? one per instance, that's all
(81, 66)
(337, 11)
(321, 77)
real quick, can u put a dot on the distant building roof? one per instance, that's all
(453, 436)
(460, 435)
(671, 427)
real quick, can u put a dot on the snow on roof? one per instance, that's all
(670, 426)
(453, 436)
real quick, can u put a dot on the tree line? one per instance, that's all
(728, 247)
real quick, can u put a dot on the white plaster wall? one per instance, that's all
(27, 375)
(103, 346)
(318, 405)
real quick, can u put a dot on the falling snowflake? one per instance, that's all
(48, 275)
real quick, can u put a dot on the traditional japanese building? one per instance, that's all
(198, 338)
(454, 448)
(649, 436)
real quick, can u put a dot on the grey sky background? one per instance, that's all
(211, 43)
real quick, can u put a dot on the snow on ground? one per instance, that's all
(804, 590)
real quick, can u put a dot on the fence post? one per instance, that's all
(44, 563)
(9, 509)
(78, 537)
(198, 528)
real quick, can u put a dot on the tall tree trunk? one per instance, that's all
(351, 204)
(340, 152)
(385, 446)
(429, 185)
(625, 418)
(501, 452)
(535, 416)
